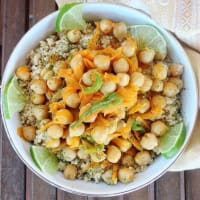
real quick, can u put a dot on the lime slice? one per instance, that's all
(70, 17)
(149, 36)
(13, 98)
(172, 141)
(45, 160)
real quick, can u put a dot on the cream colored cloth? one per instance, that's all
(181, 17)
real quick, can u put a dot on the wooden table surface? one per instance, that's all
(18, 182)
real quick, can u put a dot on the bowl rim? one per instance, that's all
(105, 194)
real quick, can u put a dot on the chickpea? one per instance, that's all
(113, 154)
(73, 142)
(143, 158)
(87, 77)
(69, 154)
(70, 172)
(82, 154)
(145, 105)
(73, 100)
(46, 73)
(121, 124)
(74, 36)
(157, 85)
(107, 176)
(123, 79)
(39, 86)
(23, 73)
(99, 134)
(106, 26)
(177, 81)
(158, 101)
(98, 157)
(90, 118)
(63, 116)
(121, 66)
(108, 87)
(159, 128)
(146, 55)
(102, 62)
(127, 160)
(29, 133)
(40, 112)
(55, 131)
(175, 69)
(54, 83)
(137, 79)
(52, 143)
(37, 98)
(112, 127)
(59, 65)
(149, 141)
(123, 144)
(170, 89)
(159, 71)
(77, 60)
(77, 131)
(147, 84)
(126, 175)
(129, 48)
(120, 30)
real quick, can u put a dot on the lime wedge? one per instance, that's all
(13, 98)
(148, 36)
(70, 17)
(45, 160)
(172, 141)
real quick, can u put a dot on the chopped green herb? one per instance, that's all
(136, 126)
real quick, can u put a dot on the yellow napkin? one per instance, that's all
(182, 18)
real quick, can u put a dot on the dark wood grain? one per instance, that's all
(37, 189)
(12, 169)
(169, 187)
(192, 185)
(61, 195)
(107, 198)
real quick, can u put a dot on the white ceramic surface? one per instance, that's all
(116, 13)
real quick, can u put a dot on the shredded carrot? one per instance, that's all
(110, 77)
(88, 63)
(117, 54)
(88, 53)
(55, 106)
(129, 95)
(154, 113)
(69, 76)
(133, 64)
(125, 131)
(46, 126)
(135, 108)
(78, 71)
(136, 143)
(73, 142)
(93, 42)
(137, 135)
(100, 121)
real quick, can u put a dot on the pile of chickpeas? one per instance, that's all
(156, 78)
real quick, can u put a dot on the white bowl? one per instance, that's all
(94, 11)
